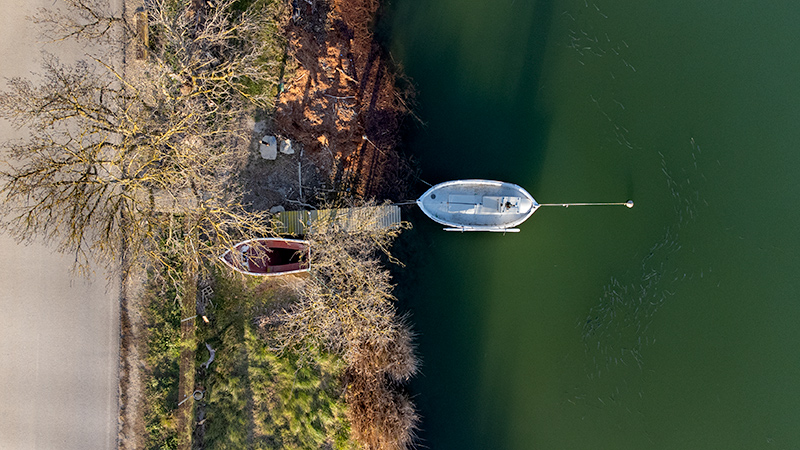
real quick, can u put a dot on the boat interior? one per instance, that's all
(268, 260)
(477, 204)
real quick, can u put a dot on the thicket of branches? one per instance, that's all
(346, 306)
(143, 157)
(139, 157)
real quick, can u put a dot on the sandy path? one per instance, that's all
(59, 335)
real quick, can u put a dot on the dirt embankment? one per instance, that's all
(343, 100)
(132, 401)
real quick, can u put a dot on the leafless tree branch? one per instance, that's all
(144, 163)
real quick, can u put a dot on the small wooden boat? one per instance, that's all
(268, 256)
(478, 205)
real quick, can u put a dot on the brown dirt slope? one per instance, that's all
(344, 98)
(131, 384)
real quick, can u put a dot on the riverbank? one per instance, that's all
(340, 106)
(178, 95)
(343, 101)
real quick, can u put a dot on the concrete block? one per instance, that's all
(269, 148)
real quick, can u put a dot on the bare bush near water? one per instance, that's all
(346, 306)
(138, 158)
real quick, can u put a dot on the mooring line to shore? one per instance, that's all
(420, 179)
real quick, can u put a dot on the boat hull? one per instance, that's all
(268, 256)
(478, 205)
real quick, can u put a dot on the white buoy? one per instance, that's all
(629, 203)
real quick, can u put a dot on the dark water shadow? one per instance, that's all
(477, 134)
(442, 314)
(488, 134)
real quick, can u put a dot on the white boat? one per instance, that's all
(478, 205)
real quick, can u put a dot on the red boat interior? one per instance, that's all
(276, 260)
(279, 257)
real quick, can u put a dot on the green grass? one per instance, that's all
(162, 360)
(273, 62)
(257, 399)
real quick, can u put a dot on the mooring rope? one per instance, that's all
(629, 204)
(420, 179)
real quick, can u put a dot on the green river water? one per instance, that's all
(672, 325)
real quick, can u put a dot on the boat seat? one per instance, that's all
(491, 204)
(463, 203)
(487, 204)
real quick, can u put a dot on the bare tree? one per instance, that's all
(215, 50)
(347, 302)
(346, 306)
(142, 161)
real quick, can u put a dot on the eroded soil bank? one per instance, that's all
(343, 102)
